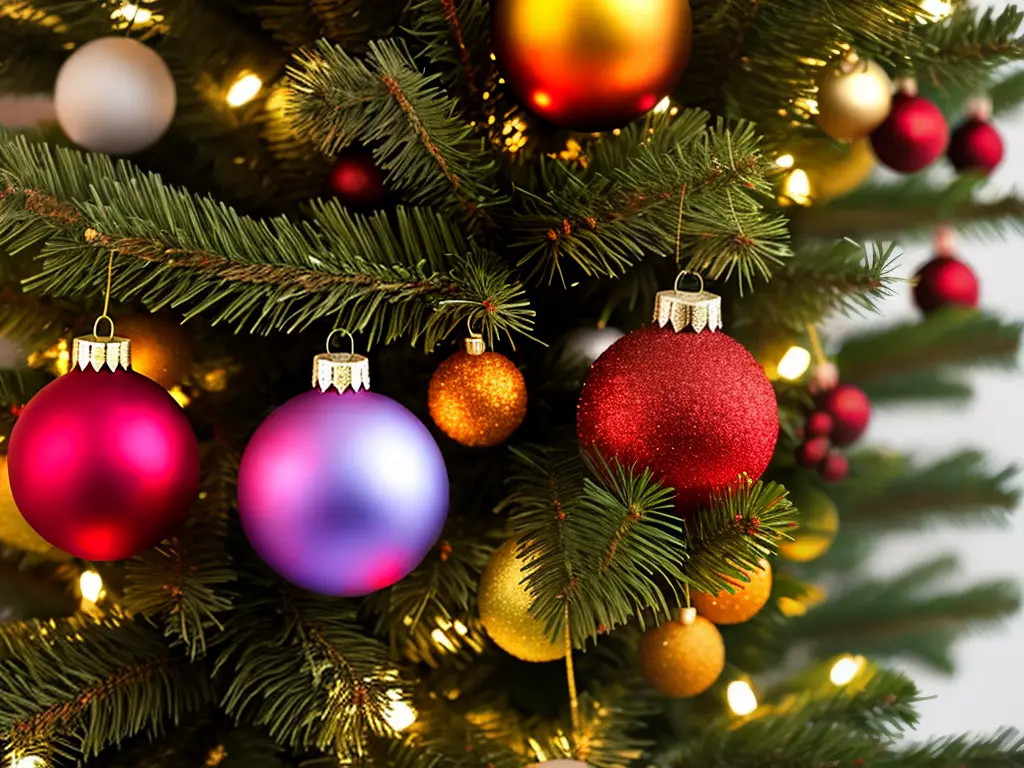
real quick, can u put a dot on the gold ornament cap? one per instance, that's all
(688, 310)
(341, 370)
(99, 352)
(475, 345)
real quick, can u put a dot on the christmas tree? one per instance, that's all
(513, 520)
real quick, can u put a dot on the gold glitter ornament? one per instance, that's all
(854, 97)
(817, 525)
(477, 398)
(748, 598)
(683, 658)
(504, 604)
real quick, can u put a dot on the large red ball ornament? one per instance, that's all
(591, 65)
(913, 136)
(945, 281)
(975, 146)
(850, 409)
(103, 462)
(356, 180)
(694, 407)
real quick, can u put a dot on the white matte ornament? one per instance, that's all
(114, 95)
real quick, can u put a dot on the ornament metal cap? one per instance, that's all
(695, 310)
(98, 352)
(341, 370)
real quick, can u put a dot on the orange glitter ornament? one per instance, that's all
(477, 398)
(743, 604)
(683, 658)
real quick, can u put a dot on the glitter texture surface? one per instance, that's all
(505, 609)
(696, 408)
(477, 400)
(748, 598)
(680, 660)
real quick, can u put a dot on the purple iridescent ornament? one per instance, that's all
(341, 490)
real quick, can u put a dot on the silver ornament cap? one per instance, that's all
(697, 311)
(113, 353)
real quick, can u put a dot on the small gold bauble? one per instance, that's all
(504, 604)
(838, 170)
(14, 531)
(477, 399)
(682, 660)
(854, 98)
(817, 525)
(161, 348)
(748, 598)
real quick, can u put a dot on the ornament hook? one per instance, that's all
(683, 273)
(330, 336)
(96, 327)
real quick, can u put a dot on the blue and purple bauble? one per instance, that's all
(341, 490)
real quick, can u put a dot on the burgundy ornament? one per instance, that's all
(913, 135)
(975, 146)
(819, 424)
(945, 281)
(850, 409)
(835, 467)
(356, 180)
(811, 453)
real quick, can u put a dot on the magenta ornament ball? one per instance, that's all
(342, 493)
(103, 464)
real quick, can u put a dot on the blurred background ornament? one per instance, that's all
(854, 97)
(356, 179)
(943, 282)
(913, 135)
(975, 144)
(834, 170)
(817, 523)
(584, 345)
(161, 348)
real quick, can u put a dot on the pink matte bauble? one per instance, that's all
(103, 465)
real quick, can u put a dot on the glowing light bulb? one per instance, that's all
(244, 89)
(461, 628)
(439, 637)
(179, 396)
(797, 187)
(90, 584)
(845, 669)
(784, 161)
(794, 363)
(29, 761)
(742, 700)
(400, 714)
(935, 10)
(133, 13)
(663, 105)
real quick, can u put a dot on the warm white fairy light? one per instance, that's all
(400, 714)
(741, 697)
(797, 187)
(244, 89)
(90, 584)
(845, 669)
(132, 13)
(28, 761)
(935, 10)
(784, 161)
(794, 363)
(662, 106)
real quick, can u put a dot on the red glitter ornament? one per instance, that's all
(834, 468)
(913, 136)
(356, 180)
(694, 407)
(103, 462)
(850, 409)
(819, 424)
(811, 453)
(945, 281)
(975, 146)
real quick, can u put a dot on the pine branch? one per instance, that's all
(609, 720)
(820, 280)
(949, 338)
(181, 582)
(419, 139)
(299, 23)
(962, 48)
(415, 276)
(1004, 749)
(305, 670)
(624, 205)
(75, 686)
(918, 387)
(887, 490)
(455, 36)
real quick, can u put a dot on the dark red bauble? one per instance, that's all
(913, 135)
(103, 465)
(819, 424)
(834, 468)
(356, 179)
(811, 453)
(975, 146)
(850, 409)
(945, 281)
(694, 408)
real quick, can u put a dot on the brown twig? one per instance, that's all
(414, 119)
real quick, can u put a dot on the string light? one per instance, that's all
(90, 584)
(794, 363)
(400, 714)
(797, 187)
(439, 637)
(784, 161)
(133, 14)
(935, 10)
(179, 396)
(28, 761)
(845, 669)
(741, 697)
(662, 106)
(244, 89)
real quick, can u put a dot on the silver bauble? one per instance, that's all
(114, 95)
(584, 345)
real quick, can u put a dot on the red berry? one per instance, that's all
(819, 424)
(812, 453)
(850, 409)
(835, 467)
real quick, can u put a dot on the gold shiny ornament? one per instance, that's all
(477, 398)
(14, 531)
(817, 525)
(682, 659)
(835, 171)
(504, 604)
(741, 605)
(854, 98)
(591, 65)
(161, 348)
